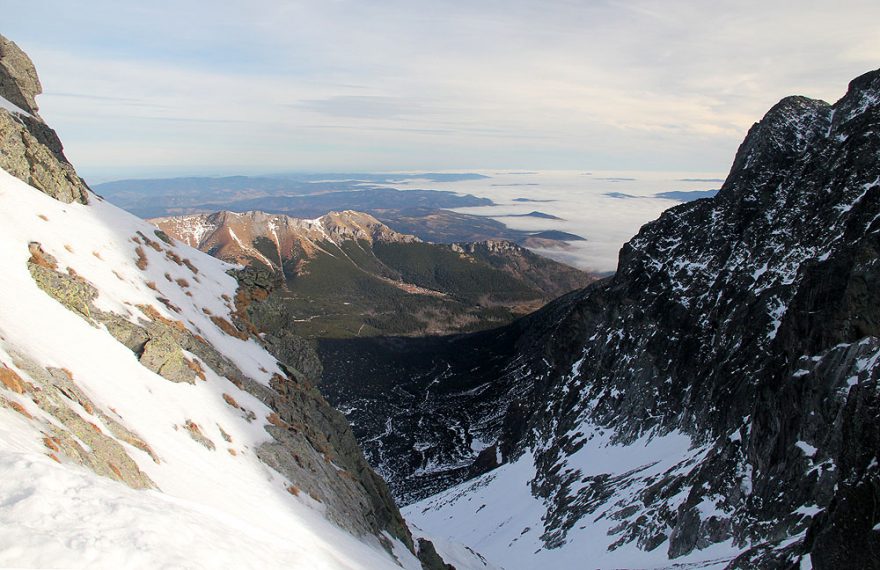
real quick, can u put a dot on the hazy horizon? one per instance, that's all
(686, 175)
(605, 208)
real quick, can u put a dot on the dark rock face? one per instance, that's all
(429, 558)
(749, 322)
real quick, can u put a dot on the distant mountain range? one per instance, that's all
(423, 213)
(307, 197)
(348, 274)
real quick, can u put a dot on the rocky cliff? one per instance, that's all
(715, 400)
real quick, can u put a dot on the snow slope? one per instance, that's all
(498, 515)
(210, 508)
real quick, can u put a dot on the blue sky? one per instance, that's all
(170, 88)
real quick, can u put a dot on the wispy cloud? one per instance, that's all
(362, 106)
(393, 84)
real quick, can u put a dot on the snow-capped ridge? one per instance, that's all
(231, 235)
(862, 94)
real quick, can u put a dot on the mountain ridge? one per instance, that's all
(201, 232)
(347, 274)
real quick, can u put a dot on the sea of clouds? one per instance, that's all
(605, 208)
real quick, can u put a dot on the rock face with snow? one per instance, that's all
(428, 410)
(142, 424)
(716, 399)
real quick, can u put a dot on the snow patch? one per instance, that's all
(12, 107)
(808, 449)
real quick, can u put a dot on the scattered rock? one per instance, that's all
(11, 380)
(429, 558)
(195, 432)
(58, 396)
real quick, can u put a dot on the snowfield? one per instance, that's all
(220, 508)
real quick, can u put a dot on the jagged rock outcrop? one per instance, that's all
(429, 558)
(739, 338)
(19, 83)
(29, 149)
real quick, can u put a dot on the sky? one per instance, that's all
(138, 89)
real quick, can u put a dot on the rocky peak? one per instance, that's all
(233, 235)
(349, 224)
(491, 246)
(790, 127)
(863, 92)
(870, 80)
(19, 83)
